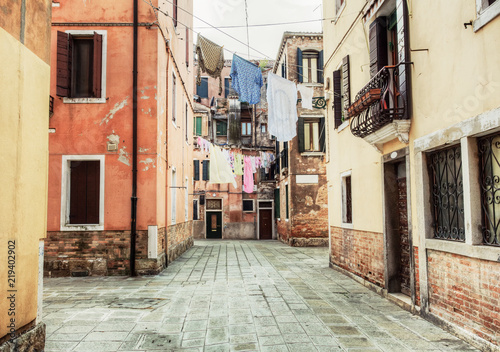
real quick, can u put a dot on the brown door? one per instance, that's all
(266, 224)
(404, 269)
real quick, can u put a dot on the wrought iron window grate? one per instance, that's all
(489, 154)
(445, 175)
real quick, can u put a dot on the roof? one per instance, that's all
(200, 107)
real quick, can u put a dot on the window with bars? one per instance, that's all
(445, 178)
(489, 157)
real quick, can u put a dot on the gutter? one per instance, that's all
(133, 199)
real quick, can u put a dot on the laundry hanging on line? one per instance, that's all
(282, 107)
(248, 175)
(246, 80)
(306, 94)
(220, 170)
(210, 60)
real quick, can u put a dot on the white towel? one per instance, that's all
(220, 170)
(282, 107)
(306, 94)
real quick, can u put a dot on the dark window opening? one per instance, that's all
(248, 205)
(84, 192)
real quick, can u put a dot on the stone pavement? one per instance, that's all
(234, 296)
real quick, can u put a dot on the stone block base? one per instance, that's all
(307, 242)
(30, 341)
(176, 251)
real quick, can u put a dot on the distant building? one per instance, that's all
(301, 194)
(25, 106)
(92, 213)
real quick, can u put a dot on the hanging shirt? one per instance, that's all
(246, 80)
(248, 176)
(306, 94)
(220, 171)
(254, 168)
(282, 107)
(238, 164)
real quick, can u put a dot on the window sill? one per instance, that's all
(487, 15)
(346, 226)
(464, 249)
(71, 227)
(84, 100)
(343, 126)
(312, 154)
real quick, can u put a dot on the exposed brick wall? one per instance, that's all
(466, 292)
(359, 252)
(417, 277)
(180, 239)
(98, 252)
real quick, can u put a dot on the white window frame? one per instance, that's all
(253, 205)
(102, 99)
(173, 197)
(338, 10)
(485, 14)
(343, 204)
(66, 192)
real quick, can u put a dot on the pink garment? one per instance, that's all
(248, 176)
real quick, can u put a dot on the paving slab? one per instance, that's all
(222, 296)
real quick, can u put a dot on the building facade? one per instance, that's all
(413, 156)
(24, 111)
(301, 192)
(224, 211)
(119, 177)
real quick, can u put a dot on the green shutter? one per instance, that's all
(198, 126)
(320, 67)
(196, 170)
(300, 134)
(322, 135)
(299, 66)
(277, 203)
(287, 205)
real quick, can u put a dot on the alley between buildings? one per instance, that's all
(234, 296)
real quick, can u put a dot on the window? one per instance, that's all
(284, 155)
(228, 89)
(310, 66)
(246, 128)
(489, 156)
(173, 193)
(186, 129)
(196, 170)
(81, 66)
(263, 128)
(287, 205)
(248, 205)
(346, 199)
(196, 215)
(311, 132)
(339, 6)
(487, 10)
(82, 193)
(202, 90)
(174, 12)
(197, 125)
(221, 128)
(174, 98)
(283, 68)
(206, 170)
(447, 196)
(277, 203)
(186, 200)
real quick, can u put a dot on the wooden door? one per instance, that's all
(266, 224)
(214, 224)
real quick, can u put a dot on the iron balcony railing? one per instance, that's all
(377, 104)
(51, 105)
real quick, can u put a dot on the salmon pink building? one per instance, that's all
(121, 137)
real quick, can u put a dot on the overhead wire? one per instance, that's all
(269, 24)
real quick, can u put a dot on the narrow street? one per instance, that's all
(234, 296)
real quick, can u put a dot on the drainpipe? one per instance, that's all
(134, 148)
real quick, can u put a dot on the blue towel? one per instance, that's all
(246, 80)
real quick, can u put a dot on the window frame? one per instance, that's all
(196, 214)
(92, 100)
(66, 192)
(343, 199)
(243, 206)
(339, 8)
(310, 55)
(248, 124)
(485, 14)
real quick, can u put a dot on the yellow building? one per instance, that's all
(414, 150)
(24, 116)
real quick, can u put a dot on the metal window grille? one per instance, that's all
(445, 176)
(489, 155)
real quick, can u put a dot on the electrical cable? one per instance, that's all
(248, 33)
(269, 24)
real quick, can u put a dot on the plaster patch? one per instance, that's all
(114, 138)
(109, 116)
(144, 97)
(143, 150)
(148, 162)
(124, 156)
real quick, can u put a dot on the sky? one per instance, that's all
(264, 39)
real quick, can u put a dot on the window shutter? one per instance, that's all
(174, 17)
(187, 46)
(198, 126)
(93, 176)
(322, 134)
(195, 209)
(299, 66)
(404, 56)
(300, 134)
(84, 192)
(345, 82)
(320, 67)
(277, 203)
(337, 109)
(202, 90)
(226, 87)
(97, 69)
(206, 174)
(196, 170)
(277, 152)
(378, 45)
(63, 64)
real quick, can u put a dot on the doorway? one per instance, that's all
(214, 224)
(266, 220)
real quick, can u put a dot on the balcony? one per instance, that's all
(379, 111)
(51, 105)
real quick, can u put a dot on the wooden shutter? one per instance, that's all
(322, 133)
(187, 46)
(277, 152)
(195, 209)
(174, 17)
(345, 83)
(97, 68)
(226, 87)
(64, 58)
(198, 125)
(196, 170)
(320, 67)
(84, 192)
(403, 56)
(378, 45)
(337, 108)
(206, 175)
(300, 69)
(277, 203)
(300, 134)
(202, 90)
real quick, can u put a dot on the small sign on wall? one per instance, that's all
(306, 179)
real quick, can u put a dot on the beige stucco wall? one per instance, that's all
(24, 110)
